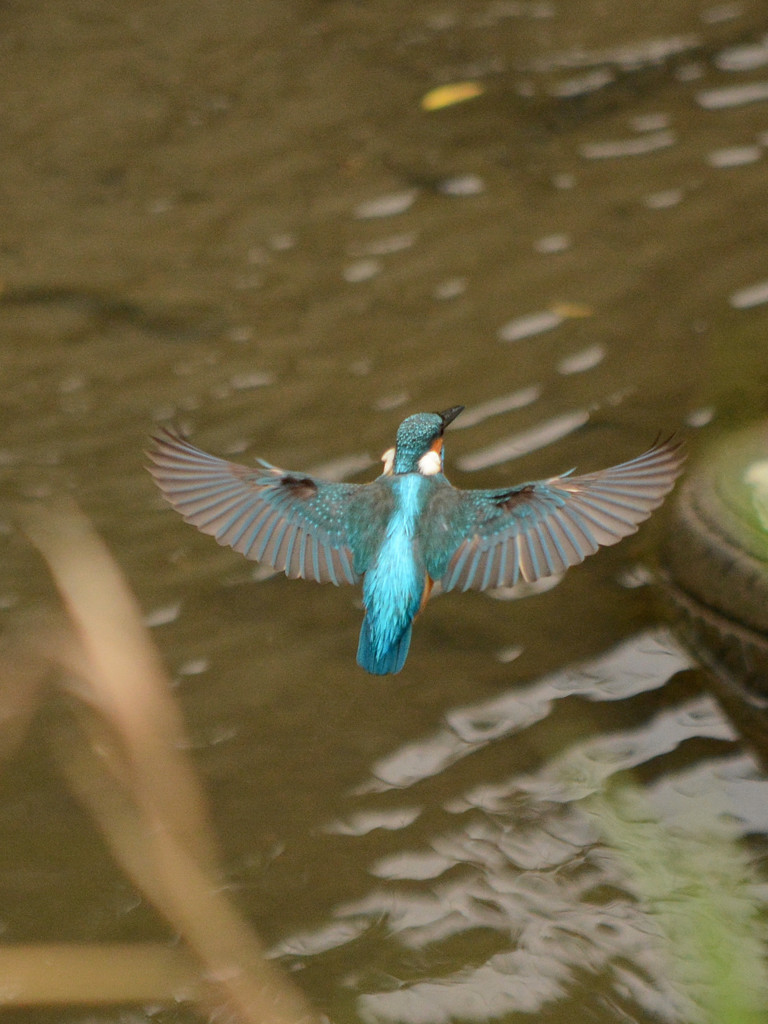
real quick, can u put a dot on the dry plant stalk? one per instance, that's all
(140, 787)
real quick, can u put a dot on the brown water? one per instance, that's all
(237, 217)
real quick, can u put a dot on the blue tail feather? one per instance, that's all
(388, 663)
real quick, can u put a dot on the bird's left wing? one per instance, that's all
(290, 521)
(540, 529)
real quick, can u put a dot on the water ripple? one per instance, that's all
(386, 206)
(587, 359)
(496, 406)
(634, 146)
(525, 442)
(743, 58)
(752, 295)
(734, 156)
(629, 57)
(732, 96)
(533, 323)
(642, 663)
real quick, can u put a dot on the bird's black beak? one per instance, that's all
(450, 414)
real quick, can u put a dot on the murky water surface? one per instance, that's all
(237, 217)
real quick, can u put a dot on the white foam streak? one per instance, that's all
(636, 146)
(634, 55)
(753, 295)
(527, 326)
(525, 442)
(587, 359)
(744, 58)
(733, 96)
(386, 206)
(734, 156)
(496, 406)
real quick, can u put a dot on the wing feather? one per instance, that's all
(326, 564)
(456, 572)
(290, 544)
(248, 517)
(304, 541)
(228, 519)
(346, 565)
(491, 568)
(291, 521)
(529, 560)
(244, 537)
(548, 551)
(540, 529)
(562, 544)
(315, 560)
(261, 540)
(272, 552)
(583, 539)
(504, 552)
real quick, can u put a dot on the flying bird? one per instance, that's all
(410, 527)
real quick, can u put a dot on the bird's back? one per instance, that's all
(396, 579)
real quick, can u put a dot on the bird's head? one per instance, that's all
(419, 443)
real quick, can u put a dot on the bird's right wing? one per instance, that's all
(540, 529)
(290, 521)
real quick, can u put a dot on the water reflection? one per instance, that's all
(635, 146)
(579, 362)
(638, 665)
(496, 406)
(264, 237)
(530, 324)
(733, 96)
(515, 883)
(525, 442)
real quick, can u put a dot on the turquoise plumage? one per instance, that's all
(410, 527)
(393, 587)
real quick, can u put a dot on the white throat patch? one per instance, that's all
(388, 458)
(430, 463)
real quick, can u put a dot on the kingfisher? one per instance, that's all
(409, 528)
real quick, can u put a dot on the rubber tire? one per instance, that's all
(716, 557)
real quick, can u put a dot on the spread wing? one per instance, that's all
(541, 528)
(290, 521)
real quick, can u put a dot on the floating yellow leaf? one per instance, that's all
(572, 310)
(447, 95)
